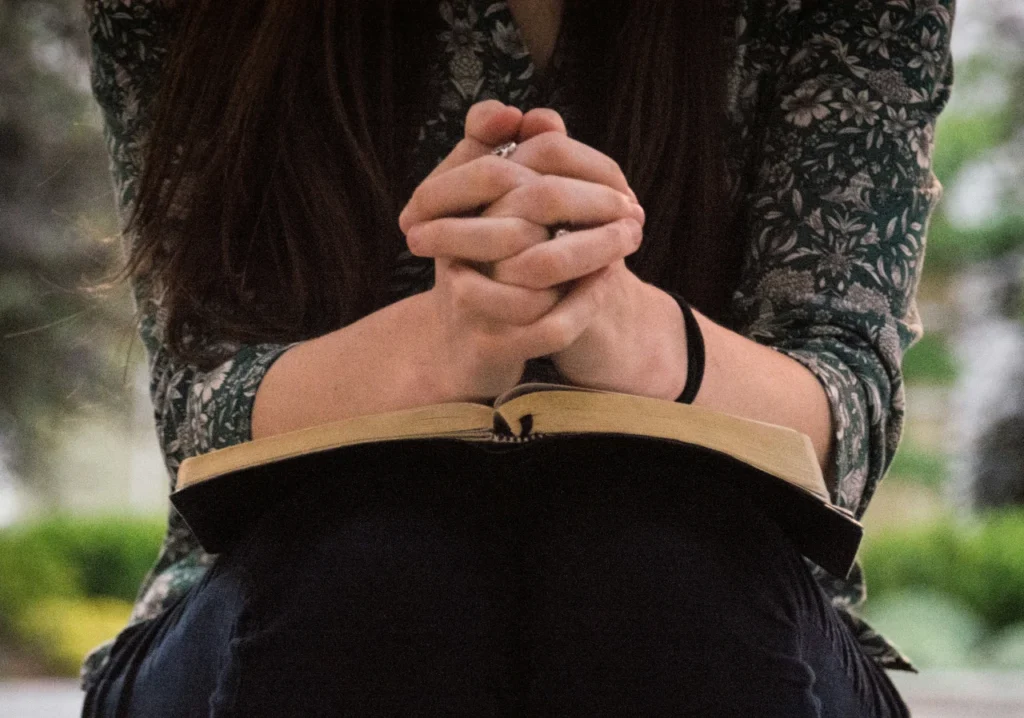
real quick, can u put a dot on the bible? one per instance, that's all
(219, 493)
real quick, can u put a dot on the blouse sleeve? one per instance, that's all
(196, 410)
(838, 206)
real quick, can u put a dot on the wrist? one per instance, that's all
(431, 366)
(674, 365)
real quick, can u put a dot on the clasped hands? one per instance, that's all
(505, 291)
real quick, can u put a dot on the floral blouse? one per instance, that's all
(832, 110)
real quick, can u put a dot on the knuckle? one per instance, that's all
(524, 233)
(625, 232)
(619, 232)
(508, 238)
(557, 331)
(623, 205)
(461, 292)
(635, 232)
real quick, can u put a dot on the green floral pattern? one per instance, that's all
(832, 110)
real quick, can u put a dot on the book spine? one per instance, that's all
(503, 433)
(513, 439)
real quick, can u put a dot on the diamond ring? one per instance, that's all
(505, 151)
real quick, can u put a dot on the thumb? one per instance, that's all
(492, 122)
(541, 120)
(488, 124)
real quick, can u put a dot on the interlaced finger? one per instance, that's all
(495, 303)
(479, 183)
(488, 124)
(564, 324)
(551, 200)
(553, 153)
(479, 239)
(570, 256)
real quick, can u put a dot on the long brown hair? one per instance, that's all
(273, 174)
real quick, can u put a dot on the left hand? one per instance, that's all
(635, 342)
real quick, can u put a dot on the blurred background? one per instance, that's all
(83, 490)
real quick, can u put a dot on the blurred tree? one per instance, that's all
(980, 234)
(980, 141)
(59, 345)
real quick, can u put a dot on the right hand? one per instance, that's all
(484, 330)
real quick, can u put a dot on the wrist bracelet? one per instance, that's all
(694, 351)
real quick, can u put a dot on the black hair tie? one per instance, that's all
(694, 351)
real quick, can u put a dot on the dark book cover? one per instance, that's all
(220, 511)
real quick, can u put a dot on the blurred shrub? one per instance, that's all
(63, 630)
(30, 572)
(107, 556)
(67, 584)
(962, 137)
(977, 564)
(951, 247)
(919, 466)
(930, 361)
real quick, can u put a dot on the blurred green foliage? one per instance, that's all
(982, 129)
(951, 248)
(951, 593)
(930, 361)
(916, 465)
(978, 563)
(75, 556)
(68, 584)
(962, 137)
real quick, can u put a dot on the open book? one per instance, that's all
(214, 491)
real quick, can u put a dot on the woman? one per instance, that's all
(320, 228)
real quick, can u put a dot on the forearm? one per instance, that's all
(744, 378)
(374, 365)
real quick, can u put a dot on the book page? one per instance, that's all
(536, 386)
(459, 419)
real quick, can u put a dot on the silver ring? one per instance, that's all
(560, 232)
(505, 151)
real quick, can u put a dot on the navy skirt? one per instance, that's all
(567, 577)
